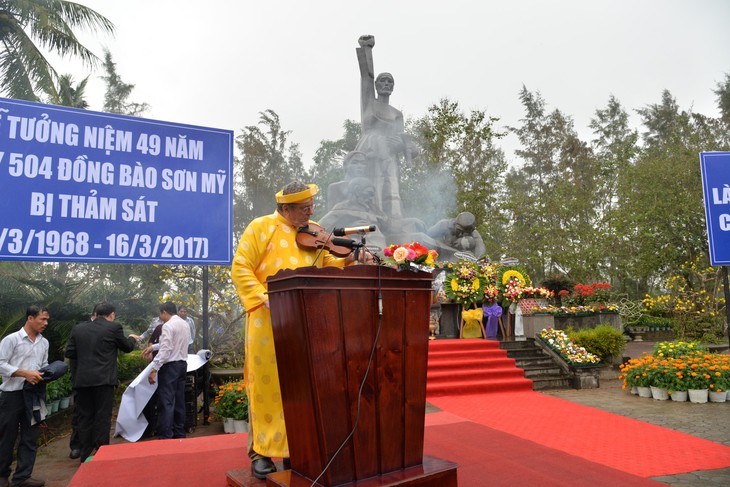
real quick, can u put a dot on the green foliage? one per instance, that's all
(231, 401)
(30, 28)
(118, 92)
(603, 340)
(64, 385)
(53, 391)
(129, 365)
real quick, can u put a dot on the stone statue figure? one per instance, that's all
(358, 209)
(459, 234)
(355, 166)
(383, 137)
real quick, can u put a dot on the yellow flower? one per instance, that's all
(510, 274)
(454, 284)
(475, 284)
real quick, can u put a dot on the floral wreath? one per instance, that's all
(465, 283)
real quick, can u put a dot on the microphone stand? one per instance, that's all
(361, 246)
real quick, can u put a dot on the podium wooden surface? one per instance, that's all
(325, 323)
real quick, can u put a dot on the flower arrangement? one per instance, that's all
(409, 256)
(530, 292)
(465, 283)
(511, 280)
(577, 356)
(231, 401)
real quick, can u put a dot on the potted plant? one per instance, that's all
(52, 397)
(697, 379)
(231, 404)
(65, 390)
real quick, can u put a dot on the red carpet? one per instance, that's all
(615, 441)
(165, 463)
(471, 366)
(490, 457)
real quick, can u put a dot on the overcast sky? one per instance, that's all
(219, 63)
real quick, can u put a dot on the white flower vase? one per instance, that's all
(240, 426)
(64, 402)
(228, 425)
(698, 396)
(644, 391)
(634, 390)
(659, 393)
(717, 396)
(679, 396)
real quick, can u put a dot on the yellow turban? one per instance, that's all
(297, 197)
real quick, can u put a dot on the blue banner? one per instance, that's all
(715, 167)
(85, 186)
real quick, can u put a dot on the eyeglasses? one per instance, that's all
(303, 208)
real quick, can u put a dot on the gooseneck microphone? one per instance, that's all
(341, 232)
(346, 242)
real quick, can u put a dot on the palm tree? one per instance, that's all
(26, 27)
(69, 95)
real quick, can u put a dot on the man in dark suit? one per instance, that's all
(93, 346)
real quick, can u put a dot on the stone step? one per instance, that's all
(535, 373)
(550, 382)
(526, 352)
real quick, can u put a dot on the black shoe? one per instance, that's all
(261, 467)
(75, 453)
(287, 464)
(29, 482)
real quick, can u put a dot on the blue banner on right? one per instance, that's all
(715, 167)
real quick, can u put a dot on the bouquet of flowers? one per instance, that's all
(465, 283)
(410, 256)
(491, 293)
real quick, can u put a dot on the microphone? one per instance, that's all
(341, 232)
(345, 242)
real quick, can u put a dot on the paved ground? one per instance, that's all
(709, 421)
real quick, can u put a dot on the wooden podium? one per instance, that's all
(325, 322)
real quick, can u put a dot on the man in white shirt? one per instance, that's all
(182, 311)
(169, 367)
(22, 354)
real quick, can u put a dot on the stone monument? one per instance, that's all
(370, 192)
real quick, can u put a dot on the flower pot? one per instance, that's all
(240, 426)
(53, 407)
(64, 402)
(659, 393)
(644, 391)
(718, 396)
(634, 390)
(698, 396)
(228, 425)
(680, 396)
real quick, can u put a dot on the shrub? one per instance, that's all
(129, 365)
(603, 340)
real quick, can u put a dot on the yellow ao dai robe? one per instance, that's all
(268, 245)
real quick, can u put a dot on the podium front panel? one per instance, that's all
(325, 324)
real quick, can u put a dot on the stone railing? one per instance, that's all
(584, 377)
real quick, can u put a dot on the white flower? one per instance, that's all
(400, 254)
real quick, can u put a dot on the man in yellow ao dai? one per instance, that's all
(268, 245)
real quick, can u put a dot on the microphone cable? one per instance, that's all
(362, 383)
